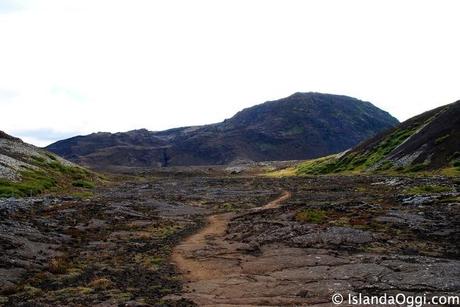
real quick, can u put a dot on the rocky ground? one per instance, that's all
(176, 240)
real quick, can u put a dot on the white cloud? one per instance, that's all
(84, 66)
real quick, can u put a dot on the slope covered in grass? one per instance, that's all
(26, 170)
(427, 142)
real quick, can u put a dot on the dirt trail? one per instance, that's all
(210, 264)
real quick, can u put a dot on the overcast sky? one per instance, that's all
(76, 67)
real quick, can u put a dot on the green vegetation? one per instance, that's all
(286, 172)
(83, 184)
(427, 189)
(315, 216)
(51, 156)
(318, 166)
(46, 175)
(360, 161)
(33, 182)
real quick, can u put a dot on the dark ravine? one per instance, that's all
(301, 126)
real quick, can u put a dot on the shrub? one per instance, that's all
(311, 216)
(58, 265)
(426, 189)
(101, 283)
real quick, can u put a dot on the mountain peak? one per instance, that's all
(301, 126)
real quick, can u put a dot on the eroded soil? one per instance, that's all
(221, 240)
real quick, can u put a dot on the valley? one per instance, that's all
(229, 153)
(196, 217)
(204, 237)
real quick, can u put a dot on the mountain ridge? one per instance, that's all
(426, 142)
(300, 126)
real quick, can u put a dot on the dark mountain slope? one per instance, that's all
(429, 141)
(301, 126)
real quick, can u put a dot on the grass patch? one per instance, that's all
(83, 194)
(33, 182)
(83, 184)
(451, 171)
(427, 189)
(354, 162)
(45, 177)
(286, 172)
(315, 216)
(317, 166)
(51, 156)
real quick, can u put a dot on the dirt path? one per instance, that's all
(210, 264)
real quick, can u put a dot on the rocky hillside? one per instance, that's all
(301, 126)
(429, 141)
(26, 170)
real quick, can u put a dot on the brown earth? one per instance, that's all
(195, 269)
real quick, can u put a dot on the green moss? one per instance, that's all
(51, 156)
(45, 176)
(83, 184)
(387, 146)
(318, 166)
(386, 165)
(315, 216)
(59, 167)
(427, 189)
(32, 183)
(227, 207)
(38, 160)
(81, 195)
(71, 292)
(31, 291)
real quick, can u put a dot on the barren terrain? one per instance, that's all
(181, 239)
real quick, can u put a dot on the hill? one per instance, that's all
(427, 142)
(301, 126)
(26, 170)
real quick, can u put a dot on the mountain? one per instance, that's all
(27, 170)
(427, 142)
(301, 126)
